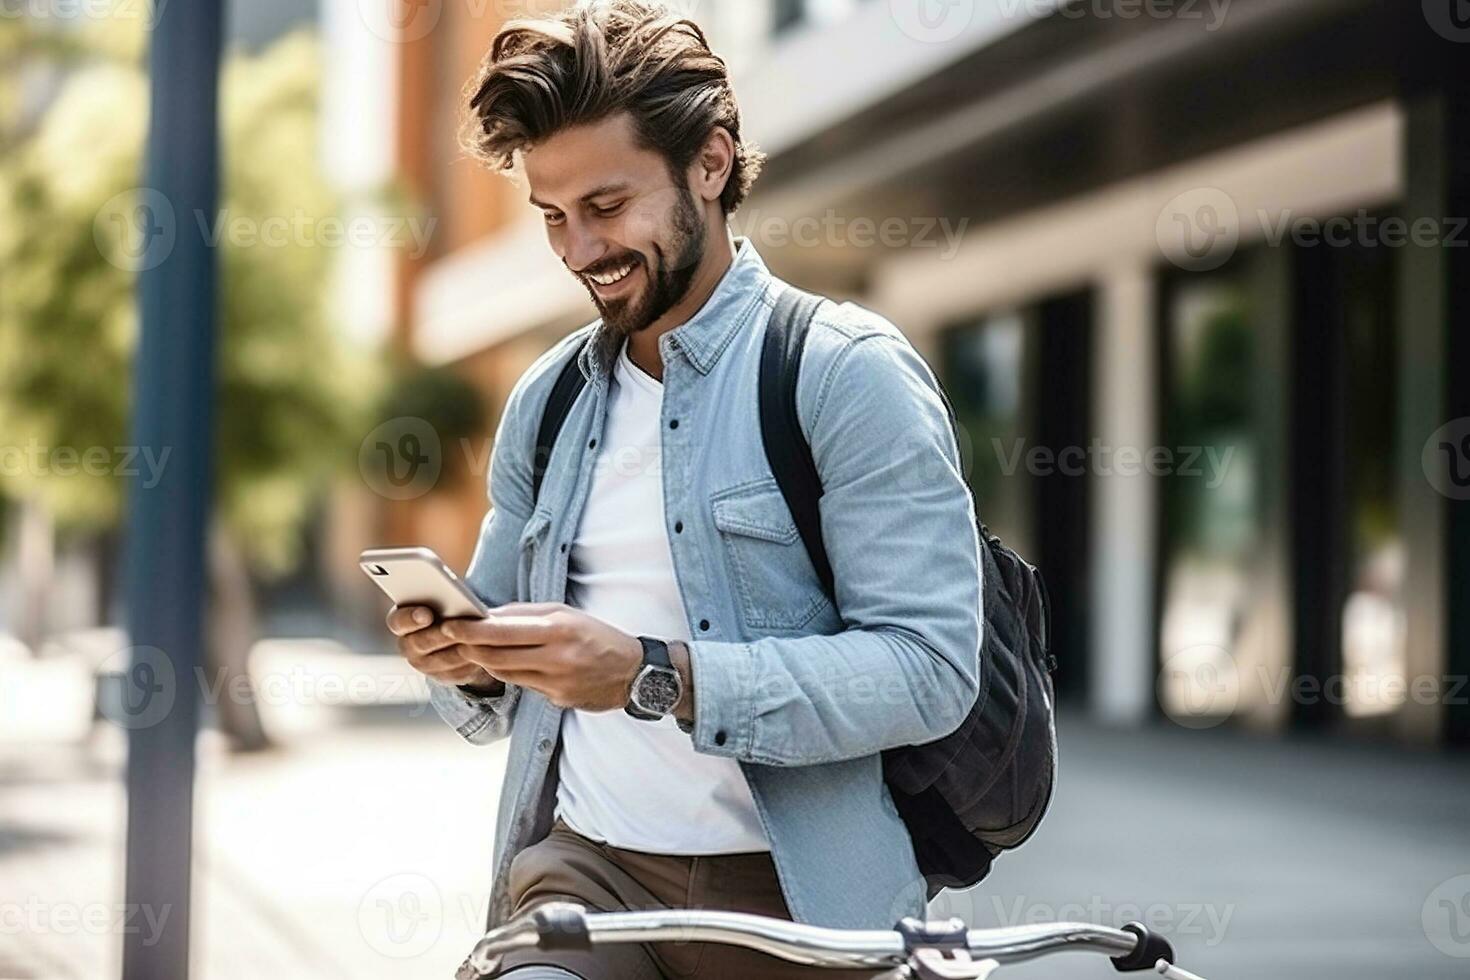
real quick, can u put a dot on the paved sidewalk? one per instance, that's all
(361, 849)
(1265, 858)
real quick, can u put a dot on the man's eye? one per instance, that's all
(553, 217)
(607, 210)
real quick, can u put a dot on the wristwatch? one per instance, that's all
(657, 686)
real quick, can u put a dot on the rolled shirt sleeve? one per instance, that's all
(478, 720)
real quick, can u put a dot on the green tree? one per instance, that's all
(287, 412)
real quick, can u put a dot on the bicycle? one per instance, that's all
(913, 951)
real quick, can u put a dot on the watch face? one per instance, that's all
(657, 690)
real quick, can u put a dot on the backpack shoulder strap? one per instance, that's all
(569, 384)
(787, 451)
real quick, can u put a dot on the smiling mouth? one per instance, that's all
(607, 281)
(612, 277)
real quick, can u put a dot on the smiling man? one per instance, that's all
(693, 720)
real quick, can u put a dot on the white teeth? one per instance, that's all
(611, 278)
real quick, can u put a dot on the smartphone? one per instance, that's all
(418, 577)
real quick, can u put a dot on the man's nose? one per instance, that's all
(582, 250)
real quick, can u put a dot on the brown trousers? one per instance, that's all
(568, 867)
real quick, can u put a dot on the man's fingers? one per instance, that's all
(452, 669)
(528, 608)
(468, 674)
(448, 658)
(496, 659)
(508, 629)
(403, 620)
(524, 678)
(423, 642)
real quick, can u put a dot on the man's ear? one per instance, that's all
(713, 165)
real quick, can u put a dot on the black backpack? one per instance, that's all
(984, 787)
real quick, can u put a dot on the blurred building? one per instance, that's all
(1158, 253)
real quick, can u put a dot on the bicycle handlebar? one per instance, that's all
(566, 926)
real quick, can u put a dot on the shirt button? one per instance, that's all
(592, 444)
(704, 624)
(678, 527)
(673, 423)
(720, 737)
(562, 547)
(544, 745)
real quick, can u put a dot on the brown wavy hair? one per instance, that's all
(598, 59)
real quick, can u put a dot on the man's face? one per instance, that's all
(618, 219)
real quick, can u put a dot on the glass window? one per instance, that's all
(1372, 618)
(986, 364)
(1212, 498)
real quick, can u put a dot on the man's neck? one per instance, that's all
(643, 345)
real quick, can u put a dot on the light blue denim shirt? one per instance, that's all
(803, 694)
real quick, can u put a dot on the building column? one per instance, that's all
(1434, 309)
(1124, 508)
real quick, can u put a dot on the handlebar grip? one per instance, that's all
(1151, 948)
(561, 926)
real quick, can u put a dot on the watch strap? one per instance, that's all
(655, 652)
(481, 699)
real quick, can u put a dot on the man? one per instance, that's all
(692, 721)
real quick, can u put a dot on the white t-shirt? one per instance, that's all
(635, 784)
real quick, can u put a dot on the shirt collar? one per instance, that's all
(704, 336)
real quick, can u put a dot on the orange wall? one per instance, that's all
(469, 204)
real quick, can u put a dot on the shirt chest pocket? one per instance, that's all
(766, 560)
(530, 552)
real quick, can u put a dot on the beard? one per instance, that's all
(668, 280)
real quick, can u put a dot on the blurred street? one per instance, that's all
(1261, 858)
(1193, 275)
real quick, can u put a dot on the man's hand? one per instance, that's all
(575, 660)
(423, 644)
